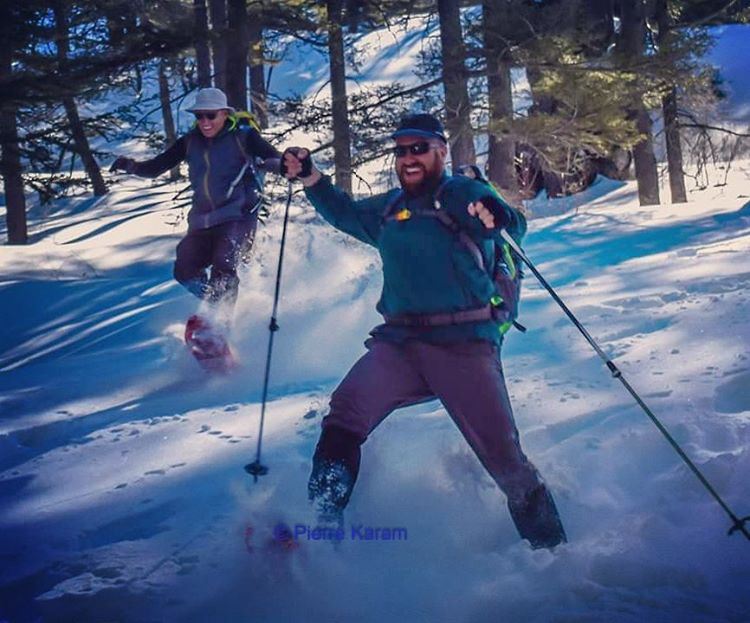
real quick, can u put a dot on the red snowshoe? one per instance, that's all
(208, 345)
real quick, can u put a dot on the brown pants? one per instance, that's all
(468, 379)
(207, 259)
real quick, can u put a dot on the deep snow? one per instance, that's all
(123, 493)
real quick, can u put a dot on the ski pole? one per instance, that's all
(738, 524)
(256, 468)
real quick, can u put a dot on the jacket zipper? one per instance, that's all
(205, 179)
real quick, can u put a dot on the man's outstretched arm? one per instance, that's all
(361, 219)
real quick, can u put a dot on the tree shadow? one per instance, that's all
(579, 252)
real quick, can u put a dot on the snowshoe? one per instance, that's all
(537, 519)
(208, 345)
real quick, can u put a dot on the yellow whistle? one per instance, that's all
(403, 215)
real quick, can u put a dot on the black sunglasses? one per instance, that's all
(415, 149)
(205, 115)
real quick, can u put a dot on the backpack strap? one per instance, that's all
(248, 165)
(390, 213)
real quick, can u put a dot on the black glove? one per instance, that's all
(122, 163)
(500, 213)
(305, 161)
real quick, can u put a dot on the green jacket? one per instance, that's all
(426, 269)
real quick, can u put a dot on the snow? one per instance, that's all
(122, 490)
(122, 483)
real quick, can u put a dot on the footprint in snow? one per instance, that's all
(732, 396)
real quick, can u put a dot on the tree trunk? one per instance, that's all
(342, 156)
(219, 34)
(674, 148)
(236, 69)
(15, 201)
(166, 112)
(457, 104)
(81, 142)
(202, 56)
(83, 149)
(257, 72)
(669, 109)
(632, 39)
(646, 171)
(501, 167)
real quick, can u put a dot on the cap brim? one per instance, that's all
(209, 109)
(418, 133)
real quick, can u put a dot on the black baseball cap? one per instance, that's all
(421, 124)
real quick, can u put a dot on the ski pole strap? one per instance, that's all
(443, 319)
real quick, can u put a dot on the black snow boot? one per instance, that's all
(334, 472)
(537, 520)
(329, 489)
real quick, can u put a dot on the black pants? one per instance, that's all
(207, 259)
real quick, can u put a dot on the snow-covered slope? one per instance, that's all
(122, 492)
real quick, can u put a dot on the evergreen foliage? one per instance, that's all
(587, 79)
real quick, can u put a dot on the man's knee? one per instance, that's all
(190, 277)
(349, 411)
(183, 272)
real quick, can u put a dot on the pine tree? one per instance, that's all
(501, 159)
(669, 110)
(236, 54)
(81, 142)
(258, 95)
(16, 31)
(202, 54)
(342, 155)
(170, 131)
(219, 41)
(631, 52)
(454, 75)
